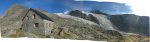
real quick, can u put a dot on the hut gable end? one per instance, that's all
(40, 14)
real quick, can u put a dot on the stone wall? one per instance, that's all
(33, 23)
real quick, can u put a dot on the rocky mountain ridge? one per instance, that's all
(126, 22)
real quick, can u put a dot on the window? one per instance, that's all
(49, 25)
(34, 17)
(36, 24)
(20, 28)
(27, 17)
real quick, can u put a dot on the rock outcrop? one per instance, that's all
(12, 20)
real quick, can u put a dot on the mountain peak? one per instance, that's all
(14, 9)
(16, 6)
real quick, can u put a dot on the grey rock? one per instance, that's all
(131, 23)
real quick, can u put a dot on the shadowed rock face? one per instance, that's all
(131, 23)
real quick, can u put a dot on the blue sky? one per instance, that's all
(59, 6)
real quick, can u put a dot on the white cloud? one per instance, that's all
(139, 7)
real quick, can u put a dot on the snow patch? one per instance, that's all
(76, 18)
(104, 22)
